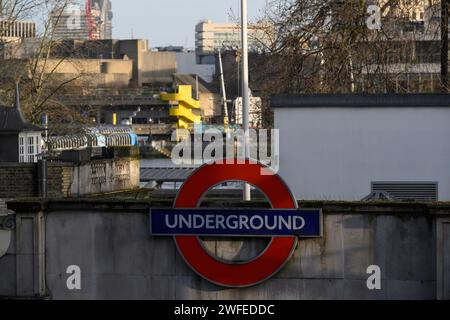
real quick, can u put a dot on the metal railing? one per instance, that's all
(101, 136)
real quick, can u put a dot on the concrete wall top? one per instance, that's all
(30, 165)
(360, 100)
(441, 209)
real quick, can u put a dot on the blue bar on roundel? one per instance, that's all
(236, 222)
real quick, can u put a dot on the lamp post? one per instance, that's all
(150, 137)
(245, 89)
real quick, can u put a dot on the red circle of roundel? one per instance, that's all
(219, 272)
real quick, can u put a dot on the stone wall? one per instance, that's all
(119, 259)
(66, 179)
(100, 176)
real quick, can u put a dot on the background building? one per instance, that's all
(91, 21)
(413, 52)
(210, 37)
(101, 11)
(15, 37)
(20, 141)
(149, 68)
(187, 64)
(14, 30)
(70, 23)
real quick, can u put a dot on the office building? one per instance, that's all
(211, 37)
(93, 21)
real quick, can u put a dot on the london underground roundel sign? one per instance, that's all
(283, 223)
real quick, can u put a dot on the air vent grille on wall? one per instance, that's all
(421, 191)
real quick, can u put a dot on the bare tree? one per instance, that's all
(33, 63)
(347, 46)
(330, 46)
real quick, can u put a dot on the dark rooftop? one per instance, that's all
(12, 121)
(360, 100)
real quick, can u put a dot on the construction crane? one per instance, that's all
(224, 94)
(90, 20)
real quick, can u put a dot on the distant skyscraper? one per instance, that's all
(91, 21)
(107, 16)
(70, 22)
(100, 18)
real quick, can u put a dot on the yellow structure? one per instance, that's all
(188, 109)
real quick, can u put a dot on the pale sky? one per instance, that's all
(172, 22)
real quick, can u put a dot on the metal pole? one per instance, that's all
(150, 138)
(196, 87)
(42, 174)
(245, 96)
(224, 93)
(444, 45)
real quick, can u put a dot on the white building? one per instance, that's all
(345, 147)
(211, 37)
(70, 23)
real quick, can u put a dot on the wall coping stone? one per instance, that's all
(34, 205)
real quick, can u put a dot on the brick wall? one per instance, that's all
(59, 180)
(18, 180)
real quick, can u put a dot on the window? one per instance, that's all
(29, 147)
(21, 149)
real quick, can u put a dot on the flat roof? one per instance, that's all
(165, 174)
(360, 100)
